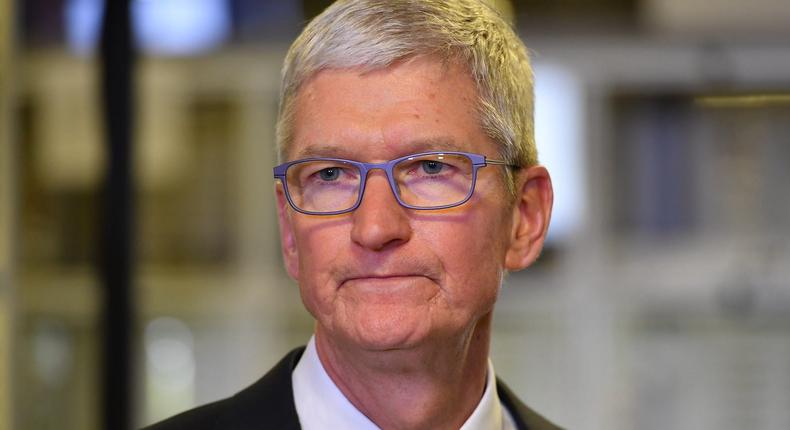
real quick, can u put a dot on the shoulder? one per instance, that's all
(203, 417)
(526, 418)
(268, 403)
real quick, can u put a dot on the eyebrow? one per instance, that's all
(438, 143)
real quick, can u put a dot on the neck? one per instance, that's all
(436, 385)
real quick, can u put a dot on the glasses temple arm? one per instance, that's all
(500, 163)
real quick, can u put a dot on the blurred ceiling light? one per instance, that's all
(162, 27)
(53, 352)
(743, 101)
(82, 18)
(170, 368)
(169, 348)
(559, 137)
(180, 27)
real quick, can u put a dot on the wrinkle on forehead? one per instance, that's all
(439, 143)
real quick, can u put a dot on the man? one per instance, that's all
(409, 187)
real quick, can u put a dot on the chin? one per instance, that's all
(384, 331)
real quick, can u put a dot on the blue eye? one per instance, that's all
(329, 174)
(432, 167)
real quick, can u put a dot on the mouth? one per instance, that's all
(382, 281)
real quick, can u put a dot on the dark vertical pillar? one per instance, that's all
(115, 249)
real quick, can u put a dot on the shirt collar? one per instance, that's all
(321, 405)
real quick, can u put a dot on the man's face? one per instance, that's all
(383, 276)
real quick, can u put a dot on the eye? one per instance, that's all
(432, 167)
(329, 174)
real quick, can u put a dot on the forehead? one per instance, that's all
(416, 105)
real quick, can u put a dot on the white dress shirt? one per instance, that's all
(321, 405)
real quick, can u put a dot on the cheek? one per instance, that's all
(472, 253)
(480, 241)
(319, 248)
(317, 243)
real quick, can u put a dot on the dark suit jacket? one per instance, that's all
(268, 404)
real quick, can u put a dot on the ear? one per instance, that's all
(287, 238)
(531, 215)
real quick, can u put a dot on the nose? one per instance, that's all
(380, 222)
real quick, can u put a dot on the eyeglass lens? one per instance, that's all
(425, 181)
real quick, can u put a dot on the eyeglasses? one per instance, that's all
(424, 181)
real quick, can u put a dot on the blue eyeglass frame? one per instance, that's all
(478, 161)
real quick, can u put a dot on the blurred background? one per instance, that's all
(662, 299)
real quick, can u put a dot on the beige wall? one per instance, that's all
(720, 17)
(6, 181)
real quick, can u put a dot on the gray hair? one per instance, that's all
(373, 34)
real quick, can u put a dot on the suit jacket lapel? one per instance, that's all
(525, 418)
(268, 403)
